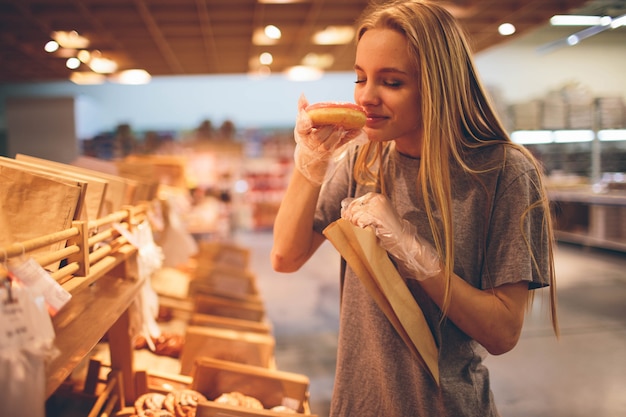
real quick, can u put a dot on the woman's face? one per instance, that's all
(387, 87)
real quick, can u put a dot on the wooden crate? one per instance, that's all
(226, 344)
(272, 387)
(220, 306)
(219, 322)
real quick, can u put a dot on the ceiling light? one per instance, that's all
(334, 35)
(72, 63)
(506, 29)
(272, 32)
(576, 20)
(131, 77)
(51, 46)
(266, 58)
(303, 73)
(84, 56)
(573, 40)
(323, 61)
(102, 65)
(259, 37)
(87, 78)
(612, 134)
(532, 137)
(571, 136)
(70, 39)
(618, 21)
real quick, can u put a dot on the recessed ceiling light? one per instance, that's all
(72, 63)
(132, 77)
(303, 73)
(102, 65)
(70, 39)
(259, 37)
(272, 32)
(506, 29)
(266, 58)
(51, 46)
(84, 56)
(334, 35)
(87, 78)
(323, 61)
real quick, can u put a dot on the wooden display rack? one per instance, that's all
(100, 271)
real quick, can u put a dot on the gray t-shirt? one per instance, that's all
(376, 373)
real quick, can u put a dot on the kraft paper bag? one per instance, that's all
(370, 262)
(34, 205)
(95, 190)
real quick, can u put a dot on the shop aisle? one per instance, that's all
(583, 374)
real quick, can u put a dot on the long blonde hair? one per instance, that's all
(457, 116)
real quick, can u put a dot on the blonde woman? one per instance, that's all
(460, 209)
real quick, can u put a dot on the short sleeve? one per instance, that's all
(518, 241)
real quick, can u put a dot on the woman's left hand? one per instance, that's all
(396, 235)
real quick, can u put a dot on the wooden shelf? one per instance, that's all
(590, 219)
(83, 322)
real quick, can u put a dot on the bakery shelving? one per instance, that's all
(590, 219)
(100, 272)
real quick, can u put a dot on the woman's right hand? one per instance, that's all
(316, 145)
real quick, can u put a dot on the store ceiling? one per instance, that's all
(192, 37)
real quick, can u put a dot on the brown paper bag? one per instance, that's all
(95, 191)
(34, 205)
(115, 195)
(81, 209)
(370, 262)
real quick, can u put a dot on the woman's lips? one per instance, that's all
(373, 119)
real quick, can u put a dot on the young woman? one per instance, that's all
(460, 209)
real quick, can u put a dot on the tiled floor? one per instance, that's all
(583, 374)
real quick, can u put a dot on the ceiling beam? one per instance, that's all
(159, 38)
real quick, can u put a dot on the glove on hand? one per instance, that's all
(316, 146)
(397, 236)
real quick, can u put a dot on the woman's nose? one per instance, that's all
(366, 95)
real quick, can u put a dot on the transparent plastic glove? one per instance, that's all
(397, 236)
(318, 147)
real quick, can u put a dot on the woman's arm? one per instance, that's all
(492, 317)
(294, 238)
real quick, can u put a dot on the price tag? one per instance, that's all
(23, 319)
(28, 272)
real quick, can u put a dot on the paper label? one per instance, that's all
(23, 319)
(29, 273)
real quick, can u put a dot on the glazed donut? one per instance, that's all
(350, 116)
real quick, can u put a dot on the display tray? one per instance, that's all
(232, 287)
(221, 306)
(226, 344)
(213, 377)
(219, 322)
